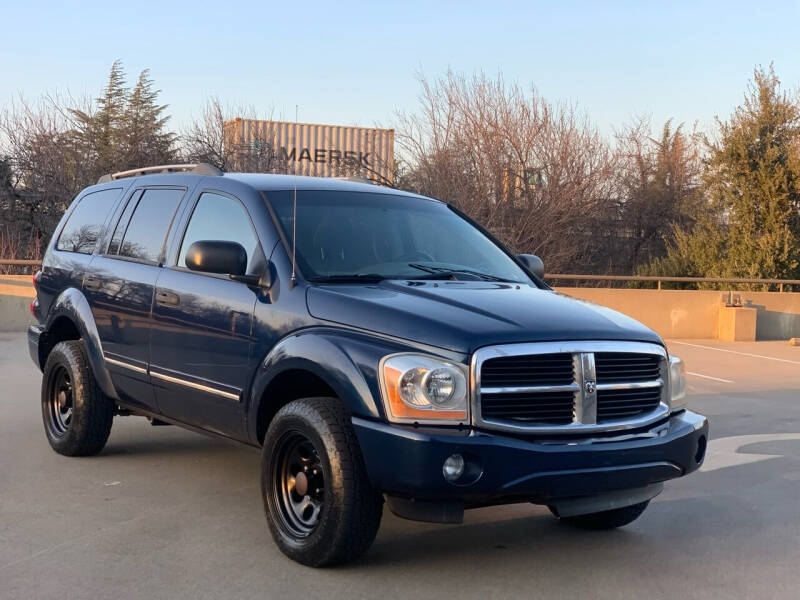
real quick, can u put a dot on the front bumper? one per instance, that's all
(407, 461)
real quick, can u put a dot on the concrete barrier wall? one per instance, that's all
(695, 313)
(672, 313)
(16, 293)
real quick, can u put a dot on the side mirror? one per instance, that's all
(533, 263)
(214, 256)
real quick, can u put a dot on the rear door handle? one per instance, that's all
(167, 299)
(92, 283)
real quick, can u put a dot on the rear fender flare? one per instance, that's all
(72, 304)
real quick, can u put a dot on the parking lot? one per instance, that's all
(164, 513)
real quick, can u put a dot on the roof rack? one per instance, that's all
(195, 168)
(356, 179)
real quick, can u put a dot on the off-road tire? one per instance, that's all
(92, 412)
(351, 508)
(608, 519)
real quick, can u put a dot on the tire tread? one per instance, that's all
(93, 411)
(359, 507)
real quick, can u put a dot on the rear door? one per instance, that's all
(201, 338)
(120, 286)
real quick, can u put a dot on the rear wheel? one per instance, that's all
(607, 519)
(77, 415)
(320, 506)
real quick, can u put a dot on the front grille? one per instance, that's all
(554, 408)
(625, 404)
(548, 386)
(537, 369)
(620, 367)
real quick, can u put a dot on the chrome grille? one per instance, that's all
(556, 408)
(566, 386)
(626, 366)
(623, 404)
(539, 369)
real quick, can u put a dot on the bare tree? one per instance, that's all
(211, 139)
(537, 174)
(658, 182)
(48, 166)
(58, 145)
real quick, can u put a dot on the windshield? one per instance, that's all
(373, 236)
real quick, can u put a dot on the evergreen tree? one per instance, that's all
(752, 184)
(99, 133)
(753, 176)
(699, 252)
(144, 126)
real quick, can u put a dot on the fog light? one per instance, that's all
(453, 467)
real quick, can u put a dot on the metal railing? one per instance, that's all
(658, 280)
(13, 262)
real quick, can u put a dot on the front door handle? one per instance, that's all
(92, 283)
(167, 299)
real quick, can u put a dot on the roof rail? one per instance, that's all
(356, 179)
(195, 168)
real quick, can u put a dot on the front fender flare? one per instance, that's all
(71, 303)
(346, 361)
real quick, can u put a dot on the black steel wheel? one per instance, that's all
(77, 415)
(298, 483)
(320, 505)
(59, 402)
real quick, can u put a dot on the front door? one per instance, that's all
(201, 338)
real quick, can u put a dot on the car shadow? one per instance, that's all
(533, 539)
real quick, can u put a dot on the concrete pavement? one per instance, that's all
(164, 513)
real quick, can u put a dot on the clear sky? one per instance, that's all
(356, 62)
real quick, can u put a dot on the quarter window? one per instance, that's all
(122, 224)
(148, 226)
(85, 224)
(220, 218)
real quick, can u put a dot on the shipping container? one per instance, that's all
(310, 149)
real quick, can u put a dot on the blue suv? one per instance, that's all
(376, 345)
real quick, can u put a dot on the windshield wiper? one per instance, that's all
(349, 278)
(449, 272)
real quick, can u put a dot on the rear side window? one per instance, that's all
(147, 229)
(85, 224)
(220, 218)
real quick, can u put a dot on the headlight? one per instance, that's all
(677, 383)
(419, 388)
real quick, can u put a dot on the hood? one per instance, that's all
(465, 315)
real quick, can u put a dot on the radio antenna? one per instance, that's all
(293, 280)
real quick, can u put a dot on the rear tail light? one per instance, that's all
(36, 280)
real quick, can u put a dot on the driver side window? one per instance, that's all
(220, 218)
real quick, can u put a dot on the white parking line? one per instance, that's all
(709, 377)
(785, 360)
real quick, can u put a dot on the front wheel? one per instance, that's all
(607, 519)
(320, 506)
